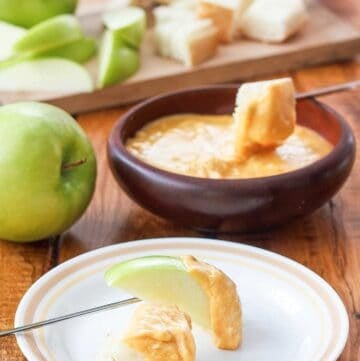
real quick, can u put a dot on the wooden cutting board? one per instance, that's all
(325, 38)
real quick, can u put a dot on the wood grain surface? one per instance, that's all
(327, 242)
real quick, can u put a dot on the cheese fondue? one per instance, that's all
(203, 146)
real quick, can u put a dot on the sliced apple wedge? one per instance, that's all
(9, 35)
(49, 34)
(51, 74)
(197, 288)
(79, 51)
(162, 279)
(128, 24)
(117, 61)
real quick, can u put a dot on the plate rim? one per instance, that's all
(335, 350)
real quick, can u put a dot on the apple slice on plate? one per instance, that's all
(197, 288)
(80, 50)
(49, 74)
(49, 34)
(161, 278)
(128, 24)
(9, 35)
(117, 61)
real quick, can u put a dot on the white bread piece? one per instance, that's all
(184, 4)
(190, 42)
(181, 9)
(153, 3)
(164, 14)
(264, 116)
(225, 14)
(273, 21)
(162, 33)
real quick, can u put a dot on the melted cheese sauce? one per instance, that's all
(203, 146)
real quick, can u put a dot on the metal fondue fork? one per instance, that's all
(329, 90)
(69, 316)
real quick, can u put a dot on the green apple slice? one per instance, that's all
(50, 74)
(128, 24)
(50, 34)
(117, 61)
(79, 51)
(9, 35)
(162, 279)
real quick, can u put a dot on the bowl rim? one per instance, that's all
(117, 147)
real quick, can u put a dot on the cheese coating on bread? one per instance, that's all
(225, 307)
(264, 115)
(160, 333)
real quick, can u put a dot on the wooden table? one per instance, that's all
(327, 242)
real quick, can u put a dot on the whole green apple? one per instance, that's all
(48, 171)
(30, 12)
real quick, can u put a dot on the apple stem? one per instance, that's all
(73, 165)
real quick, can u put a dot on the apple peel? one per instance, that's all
(39, 199)
(80, 50)
(128, 25)
(28, 13)
(49, 34)
(117, 61)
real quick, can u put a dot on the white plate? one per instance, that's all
(290, 313)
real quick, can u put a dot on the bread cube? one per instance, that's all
(273, 21)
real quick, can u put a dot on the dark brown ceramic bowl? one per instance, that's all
(230, 205)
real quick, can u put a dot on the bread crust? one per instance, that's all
(203, 47)
(223, 17)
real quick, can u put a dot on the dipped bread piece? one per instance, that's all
(156, 333)
(204, 292)
(225, 14)
(264, 116)
(273, 21)
(161, 333)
